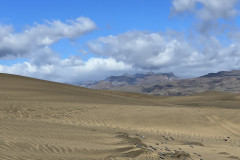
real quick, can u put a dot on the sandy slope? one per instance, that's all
(45, 120)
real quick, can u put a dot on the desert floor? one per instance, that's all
(42, 120)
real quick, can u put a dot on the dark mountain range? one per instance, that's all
(224, 81)
(138, 79)
(167, 84)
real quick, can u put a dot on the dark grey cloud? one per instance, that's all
(208, 13)
(209, 9)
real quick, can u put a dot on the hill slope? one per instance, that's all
(23, 88)
(46, 120)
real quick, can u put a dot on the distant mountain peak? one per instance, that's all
(149, 78)
(223, 74)
(167, 84)
(223, 81)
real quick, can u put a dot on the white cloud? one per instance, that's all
(71, 70)
(144, 50)
(34, 43)
(5, 31)
(40, 36)
(132, 51)
(164, 53)
(180, 6)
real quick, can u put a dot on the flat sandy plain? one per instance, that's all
(41, 120)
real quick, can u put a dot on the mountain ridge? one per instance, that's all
(167, 84)
(137, 79)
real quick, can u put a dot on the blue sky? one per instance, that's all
(111, 17)
(119, 15)
(48, 40)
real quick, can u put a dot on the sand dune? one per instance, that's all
(41, 120)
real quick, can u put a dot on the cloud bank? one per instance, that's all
(34, 43)
(69, 70)
(164, 53)
(191, 54)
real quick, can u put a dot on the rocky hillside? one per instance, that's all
(126, 80)
(224, 81)
(167, 84)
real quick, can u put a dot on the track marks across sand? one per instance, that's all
(47, 121)
(73, 130)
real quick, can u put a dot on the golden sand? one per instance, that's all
(41, 120)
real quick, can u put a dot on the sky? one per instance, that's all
(72, 41)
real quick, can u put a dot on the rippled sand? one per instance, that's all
(42, 120)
